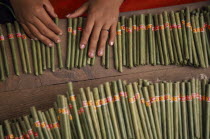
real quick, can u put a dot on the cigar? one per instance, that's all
(14, 130)
(92, 62)
(37, 122)
(34, 54)
(13, 49)
(134, 39)
(48, 51)
(184, 34)
(197, 43)
(137, 40)
(39, 57)
(130, 43)
(87, 113)
(159, 49)
(72, 99)
(20, 44)
(119, 44)
(155, 52)
(163, 40)
(19, 132)
(69, 44)
(188, 31)
(64, 118)
(116, 57)
(168, 35)
(154, 110)
(8, 129)
(104, 132)
(105, 110)
(49, 120)
(157, 97)
(25, 47)
(52, 57)
(47, 125)
(28, 127)
(2, 72)
(55, 123)
(140, 111)
(82, 52)
(23, 128)
(142, 35)
(176, 37)
(85, 56)
(179, 30)
(134, 114)
(107, 65)
(43, 50)
(1, 132)
(150, 41)
(119, 111)
(203, 39)
(190, 110)
(124, 54)
(123, 99)
(176, 109)
(112, 110)
(73, 45)
(103, 58)
(3, 49)
(79, 32)
(207, 125)
(93, 114)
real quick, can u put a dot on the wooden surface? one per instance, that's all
(18, 93)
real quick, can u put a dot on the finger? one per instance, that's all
(37, 34)
(112, 34)
(28, 32)
(103, 40)
(49, 8)
(79, 11)
(86, 32)
(94, 40)
(45, 31)
(48, 22)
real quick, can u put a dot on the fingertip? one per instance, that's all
(82, 46)
(91, 54)
(111, 43)
(100, 53)
(68, 15)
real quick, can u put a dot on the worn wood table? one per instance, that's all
(18, 93)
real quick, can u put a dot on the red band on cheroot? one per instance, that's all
(70, 29)
(84, 104)
(11, 36)
(70, 106)
(23, 36)
(18, 35)
(161, 27)
(122, 27)
(189, 98)
(116, 98)
(137, 96)
(153, 99)
(183, 98)
(134, 27)
(79, 28)
(179, 26)
(109, 99)
(131, 100)
(119, 32)
(1, 38)
(122, 94)
(149, 26)
(74, 32)
(173, 26)
(207, 99)
(166, 25)
(37, 124)
(142, 27)
(129, 30)
(157, 28)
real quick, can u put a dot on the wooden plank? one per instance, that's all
(17, 103)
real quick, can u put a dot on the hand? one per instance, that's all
(35, 18)
(101, 21)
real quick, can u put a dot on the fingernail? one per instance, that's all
(100, 53)
(50, 44)
(111, 43)
(35, 39)
(60, 33)
(68, 15)
(58, 41)
(91, 54)
(82, 46)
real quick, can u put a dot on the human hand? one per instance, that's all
(101, 22)
(35, 18)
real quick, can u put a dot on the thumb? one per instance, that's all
(79, 11)
(49, 8)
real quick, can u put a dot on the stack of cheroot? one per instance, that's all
(119, 110)
(180, 38)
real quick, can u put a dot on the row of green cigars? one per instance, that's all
(118, 109)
